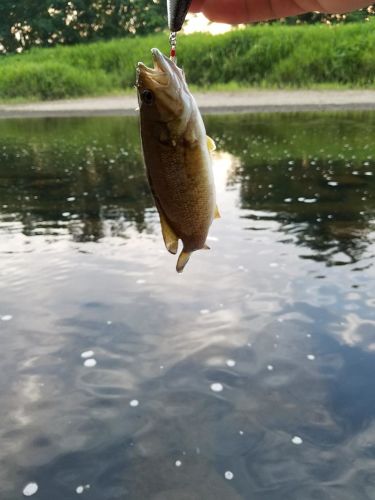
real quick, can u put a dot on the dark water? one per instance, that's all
(280, 312)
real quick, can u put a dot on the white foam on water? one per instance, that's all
(30, 489)
(297, 440)
(270, 368)
(87, 354)
(134, 403)
(240, 433)
(216, 387)
(90, 363)
(140, 282)
(79, 489)
(311, 357)
(230, 362)
(204, 311)
(6, 317)
(229, 475)
(310, 200)
(178, 463)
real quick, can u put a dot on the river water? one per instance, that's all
(250, 376)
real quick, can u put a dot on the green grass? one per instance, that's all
(315, 56)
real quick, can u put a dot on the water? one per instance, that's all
(249, 376)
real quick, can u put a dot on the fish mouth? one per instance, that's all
(159, 75)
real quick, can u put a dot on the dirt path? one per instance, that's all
(209, 102)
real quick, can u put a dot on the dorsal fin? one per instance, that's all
(210, 143)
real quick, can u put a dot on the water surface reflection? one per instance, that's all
(279, 315)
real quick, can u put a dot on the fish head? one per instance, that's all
(163, 95)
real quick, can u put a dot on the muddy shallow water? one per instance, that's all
(249, 376)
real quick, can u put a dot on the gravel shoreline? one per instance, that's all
(252, 101)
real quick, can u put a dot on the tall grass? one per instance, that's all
(260, 56)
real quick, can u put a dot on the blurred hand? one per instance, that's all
(244, 11)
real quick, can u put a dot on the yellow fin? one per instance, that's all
(170, 239)
(182, 261)
(210, 144)
(217, 213)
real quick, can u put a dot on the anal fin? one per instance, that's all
(182, 261)
(169, 236)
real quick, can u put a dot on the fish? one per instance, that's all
(177, 156)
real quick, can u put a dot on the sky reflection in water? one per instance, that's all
(286, 294)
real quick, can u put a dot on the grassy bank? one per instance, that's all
(259, 56)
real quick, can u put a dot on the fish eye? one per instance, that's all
(147, 97)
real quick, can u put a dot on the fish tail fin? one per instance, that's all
(182, 260)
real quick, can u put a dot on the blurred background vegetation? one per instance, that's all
(44, 23)
(45, 54)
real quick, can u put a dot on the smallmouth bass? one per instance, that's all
(177, 156)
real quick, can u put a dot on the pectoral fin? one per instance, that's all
(210, 144)
(217, 213)
(170, 239)
(182, 261)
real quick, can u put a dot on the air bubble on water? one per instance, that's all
(308, 335)
(134, 403)
(240, 433)
(297, 440)
(216, 387)
(333, 183)
(65, 214)
(109, 322)
(287, 200)
(87, 354)
(311, 357)
(30, 489)
(140, 282)
(204, 311)
(369, 173)
(80, 489)
(90, 363)
(249, 344)
(178, 463)
(229, 475)
(6, 317)
(270, 368)
(230, 362)
(274, 264)
(71, 198)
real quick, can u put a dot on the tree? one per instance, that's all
(27, 23)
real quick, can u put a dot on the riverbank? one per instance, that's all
(253, 101)
(263, 57)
